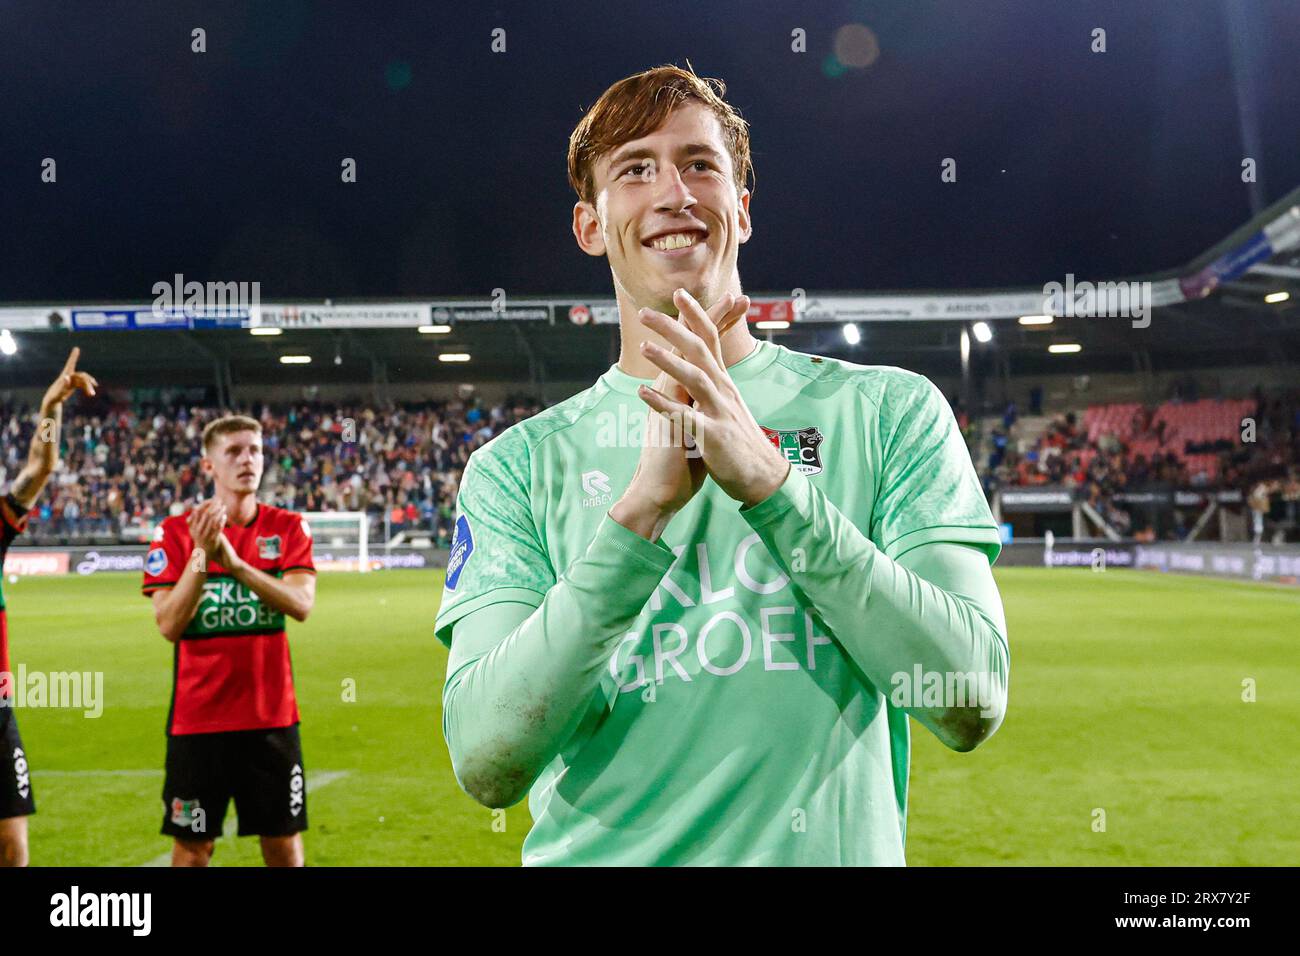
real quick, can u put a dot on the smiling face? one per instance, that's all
(234, 462)
(667, 212)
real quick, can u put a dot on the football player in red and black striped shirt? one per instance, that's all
(222, 577)
(16, 803)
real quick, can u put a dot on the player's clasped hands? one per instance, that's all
(707, 403)
(667, 474)
(207, 522)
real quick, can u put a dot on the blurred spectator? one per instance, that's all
(1259, 503)
(1291, 496)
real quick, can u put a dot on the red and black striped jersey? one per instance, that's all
(232, 669)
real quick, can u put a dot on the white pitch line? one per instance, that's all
(315, 780)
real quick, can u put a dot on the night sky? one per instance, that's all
(226, 165)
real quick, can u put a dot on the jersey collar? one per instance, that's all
(763, 354)
(252, 521)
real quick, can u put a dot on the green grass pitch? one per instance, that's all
(1126, 698)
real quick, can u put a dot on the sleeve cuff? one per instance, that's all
(794, 494)
(654, 555)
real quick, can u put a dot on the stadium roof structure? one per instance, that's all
(1237, 304)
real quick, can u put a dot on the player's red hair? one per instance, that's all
(637, 106)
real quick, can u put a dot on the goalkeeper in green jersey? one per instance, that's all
(690, 609)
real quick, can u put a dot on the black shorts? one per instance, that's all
(15, 776)
(261, 769)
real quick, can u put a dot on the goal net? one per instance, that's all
(340, 540)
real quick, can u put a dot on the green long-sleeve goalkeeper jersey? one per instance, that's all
(737, 692)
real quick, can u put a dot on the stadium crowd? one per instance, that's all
(1147, 453)
(124, 468)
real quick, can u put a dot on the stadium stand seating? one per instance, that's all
(125, 468)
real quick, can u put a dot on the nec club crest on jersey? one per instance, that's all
(268, 549)
(801, 447)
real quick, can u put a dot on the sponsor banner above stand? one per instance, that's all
(913, 308)
(1284, 232)
(1166, 292)
(1227, 267)
(1278, 235)
(124, 318)
(1178, 497)
(448, 313)
(768, 310)
(34, 317)
(1037, 499)
(1057, 498)
(605, 312)
(951, 308)
(377, 315)
(590, 312)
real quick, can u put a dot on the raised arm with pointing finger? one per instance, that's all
(16, 799)
(43, 454)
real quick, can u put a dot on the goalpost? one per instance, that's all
(340, 539)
